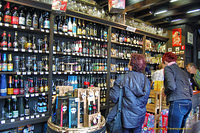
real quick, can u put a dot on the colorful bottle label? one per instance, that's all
(27, 112)
(0, 66)
(16, 91)
(21, 20)
(10, 67)
(74, 30)
(7, 19)
(65, 28)
(21, 91)
(3, 92)
(15, 20)
(4, 44)
(41, 89)
(31, 89)
(28, 45)
(46, 24)
(15, 114)
(10, 91)
(4, 67)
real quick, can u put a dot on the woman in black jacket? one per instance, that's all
(136, 90)
(178, 93)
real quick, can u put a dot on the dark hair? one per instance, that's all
(169, 57)
(192, 65)
(137, 62)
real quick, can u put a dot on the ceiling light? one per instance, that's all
(163, 11)
(175, 20)
(192, 11)
(171, 1)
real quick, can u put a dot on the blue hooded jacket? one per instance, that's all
(135, 97)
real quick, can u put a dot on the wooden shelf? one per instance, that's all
(127, 44)
(25, 95)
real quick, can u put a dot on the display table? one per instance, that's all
(100, 128)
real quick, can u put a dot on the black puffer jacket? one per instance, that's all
(135, 98)
(177, 84)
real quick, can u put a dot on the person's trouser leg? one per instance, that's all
(177, 111)
(137, 129)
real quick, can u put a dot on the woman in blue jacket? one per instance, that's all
(136, 90)
(178, 92)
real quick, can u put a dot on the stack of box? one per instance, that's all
(158, 85)
(148, 125)
(164, 121)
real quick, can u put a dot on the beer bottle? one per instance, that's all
(21, 106)
(15, 111)
(9, 43)
(4, 42)
(0, 63)
(7, 13)
(36, 88)
(29, 19)
(21, 85)
(16, 87)
(15, 17)
(1, 12)
(27, 108)
(10, 86)
(10, 63)
(41, 86)
(4, 63)
(31, 88)
(9, 109)
(15, 42)
(22, 19)
(35, 20)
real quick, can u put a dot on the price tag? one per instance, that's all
(13, 96)
(83, 36)
(37, 116)
(92, 38)
(43, 115)
(60, 33)
(95, 38)
(23, 27)
(88, 37)
(98, 72)
(23, 50)
(80, 36)
(47, 31)
(22, 118)
(12, 120)
(129, 28)
(47, 52)
(46, 72)
(28, 73)
(69, 53)
(76, 100)
(3, 122)
(1, 24)
(97, 55)
(27, 95)
(70, 34)
(35, 51)
(65, 53)
(43, 94)
(18, 73)
(75, 36)
(65, 72)
(31, 28)
(55, 32)
(54, 52)
(90, 72)
(54, 93)
(27, 117)
(71, 73)
(54, 72)
(42, 30)
(41, 73)
(15, 26)
(36, 94)
(5, 49)
(73, 53)
(23, 73)
(66, 34)
(81, 72)
(16, 49)
(32, 117)
(78, 54)
(98, 39)
(7, 25)
(76, 72)
(106, 40)
(35, 73)
(102, 40)
(84, 72)
(32, 95)
(59, 72)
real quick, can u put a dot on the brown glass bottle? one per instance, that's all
(10, 86)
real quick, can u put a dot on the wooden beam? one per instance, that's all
(145, 15)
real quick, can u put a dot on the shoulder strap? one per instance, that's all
(144, 83)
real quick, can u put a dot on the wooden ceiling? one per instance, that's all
(176, 12)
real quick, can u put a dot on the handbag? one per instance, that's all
(114, 118)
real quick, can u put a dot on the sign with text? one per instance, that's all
(176, 37)
(59, 5)
(115, 6)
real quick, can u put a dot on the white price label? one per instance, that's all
(28, 73)
(80, 36)
(27, 117)
(95, 72)
(60, 33)
(55, 32)
(35, 51)
(36, 94)
(65, 72)
(23, 50)
(42, 30)
(32, 95)
(7, 25)
(84, 72)
(37, 116)
(66, 34)
(97, 55)
(98, 39)
(15, 26)
(129, 28)
(27, 95)
(95, 38)
(16, 49)
(12, 120)
(13, 96)
(47, 31)
(69, 53)
(30, 51)
(31, 28)
(22, 118)
(35, 73)
(59, 72)
(41, 73)
(71, 73)
(3, 122)
(43, 115)
(47, 52)
(54, 52)
(23, 27)
(5, 49)
(54, 93)
(23, 73)
(54, 72)
(32, 117)
(90, 72)
(76, 72)
(92, 38)
(76, 99)
(81, 72)
(40, 51)
(18, 73)
(74, 35)
(73, 53)
(65, 53)
(1, 24)
(43, 94)
(46, 72)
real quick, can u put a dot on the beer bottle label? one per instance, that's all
(21, 20)
(44, 109)
(46, 88)
(31, 89)
(46, 24)
(7, 19)
(9, 115)
(29, 45)
(27, 112)
(14, 20)
(16, 91)
(4, 67)
(10, 67)
(10, 91)
(41, 89)
(15, 114)
(4, 44)
(21, 91)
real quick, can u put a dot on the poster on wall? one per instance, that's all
(59, 5)
(116, 6)
(176, 37)
(190, 38)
